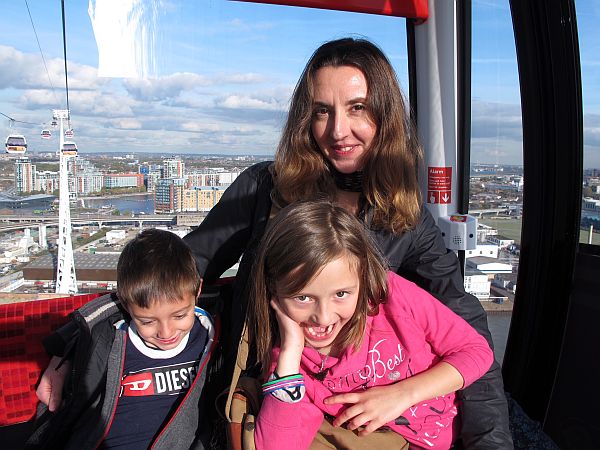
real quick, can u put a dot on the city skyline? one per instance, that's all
(219, 78)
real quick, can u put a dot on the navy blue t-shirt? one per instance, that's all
(153, 384)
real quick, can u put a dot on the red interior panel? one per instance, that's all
(22, 357)
(415, 9)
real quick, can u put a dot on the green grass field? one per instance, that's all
(511, 228)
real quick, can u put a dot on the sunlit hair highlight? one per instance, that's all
(154, 266)
(390, 182)
(298, 243)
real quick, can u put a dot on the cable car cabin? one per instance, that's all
(69, 148)
(548, 338)
(46, 134)
(54, 123)
(69, 133)
(16, 144)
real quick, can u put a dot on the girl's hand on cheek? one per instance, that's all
(292, 342)
(292, 335)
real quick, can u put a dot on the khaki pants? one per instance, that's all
(329, 437)
(242, 404)
(245, 405)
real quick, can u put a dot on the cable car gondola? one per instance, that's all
(46, 134)
(69, 133)
(16, 144)
(69, 148)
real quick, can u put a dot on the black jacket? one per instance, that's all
(92, 390)
(234, 227)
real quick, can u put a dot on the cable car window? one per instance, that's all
(589, 45)
(214, 80)
(496, 183)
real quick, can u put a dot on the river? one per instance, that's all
(133, 203)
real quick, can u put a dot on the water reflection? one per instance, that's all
(132, 203)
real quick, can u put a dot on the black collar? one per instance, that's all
(351, 182)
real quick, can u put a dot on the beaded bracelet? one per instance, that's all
(288, 389)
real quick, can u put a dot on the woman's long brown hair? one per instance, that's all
(390, 183)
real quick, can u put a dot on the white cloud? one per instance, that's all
(166, 87)
(591, 129)
(246, 102)
(198, 126)
(27, 71)
(38, 98)
(275, 99)
(497, 135)
(127, 124)
(496, 120)
(243, 78)
(101, 104)
(172, 86)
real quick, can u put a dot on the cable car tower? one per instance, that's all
(66, 281)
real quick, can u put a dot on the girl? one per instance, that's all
(342, 337)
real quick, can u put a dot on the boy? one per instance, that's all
(140, 357)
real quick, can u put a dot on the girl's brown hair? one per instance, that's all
(299, 241)
(390, 182)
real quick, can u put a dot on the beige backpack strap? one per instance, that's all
(244, 406)
(241, 360)
(240, 365)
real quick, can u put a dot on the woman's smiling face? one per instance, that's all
(341, 122)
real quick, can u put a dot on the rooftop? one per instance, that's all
(82, 261)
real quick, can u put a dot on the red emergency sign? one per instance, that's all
(439, 185)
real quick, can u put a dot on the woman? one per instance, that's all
(348, 138)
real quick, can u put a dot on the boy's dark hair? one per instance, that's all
(156, 265)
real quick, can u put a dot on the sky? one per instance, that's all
(216, 76)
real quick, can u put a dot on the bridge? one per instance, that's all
(489, 212)
(17, 222)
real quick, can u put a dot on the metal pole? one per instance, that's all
(66, 281)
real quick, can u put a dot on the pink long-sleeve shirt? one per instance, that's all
(412, 332)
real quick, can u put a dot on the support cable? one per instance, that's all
(62, 2)
(12, 120)
(41, 53)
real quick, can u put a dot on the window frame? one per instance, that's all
(547, 48)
